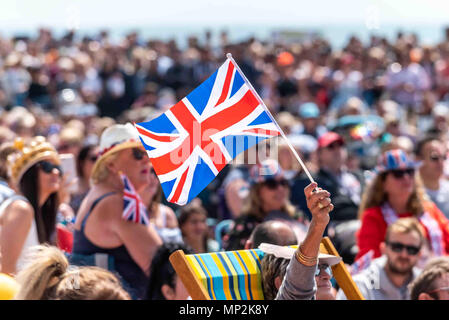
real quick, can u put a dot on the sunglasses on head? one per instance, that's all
(273, 183)
(324, 267)
(48, 167)
(138, 154)
(398, 174)
(398, 247)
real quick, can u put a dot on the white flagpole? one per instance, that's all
(229, 56)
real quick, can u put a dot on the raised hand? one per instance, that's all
(319, 203)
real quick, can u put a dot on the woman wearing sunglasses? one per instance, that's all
(396, 192)
(268, 199)
(29, 217)
(99, 226)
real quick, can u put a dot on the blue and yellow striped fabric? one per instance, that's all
(229, 275)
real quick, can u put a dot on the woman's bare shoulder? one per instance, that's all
(19, 209)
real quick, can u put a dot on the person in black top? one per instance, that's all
(344, 186)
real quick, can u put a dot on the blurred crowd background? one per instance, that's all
(340, 107)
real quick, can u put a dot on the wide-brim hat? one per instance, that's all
(28, 154)
(395, 159)
(114, 139)
(289, 252)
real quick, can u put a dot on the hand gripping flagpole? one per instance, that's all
(229, 56)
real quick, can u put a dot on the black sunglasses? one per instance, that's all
(398, 247)
(48, 167)
(273, 183)
(398, 174)
(138, 154)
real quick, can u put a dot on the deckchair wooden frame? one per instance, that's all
(197, 291)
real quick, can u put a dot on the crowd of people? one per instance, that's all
(370, 120)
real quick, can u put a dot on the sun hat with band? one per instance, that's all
(289, 252)
(27, 154)
(395, 159)
(114, 139)
(267, 169)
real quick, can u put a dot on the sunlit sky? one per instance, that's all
(177, 19)
(21, 14)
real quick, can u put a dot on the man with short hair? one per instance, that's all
(433, 282)
(432, 153)
(387, 277)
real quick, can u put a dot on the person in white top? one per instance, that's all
(29, 217)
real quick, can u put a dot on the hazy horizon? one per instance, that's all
(178, 18)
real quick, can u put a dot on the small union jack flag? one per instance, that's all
(193, 141)
(133, 208)
(362, 263)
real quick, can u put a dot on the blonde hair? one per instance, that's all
(375, 196)
(102, 172)
(405, 226)
(47, 276)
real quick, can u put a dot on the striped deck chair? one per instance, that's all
(235, 275)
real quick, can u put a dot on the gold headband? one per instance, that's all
(28, 154)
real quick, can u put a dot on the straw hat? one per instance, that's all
(114, 139)
(27, 155)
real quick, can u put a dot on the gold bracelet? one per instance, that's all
(305, 260)
(306, 257)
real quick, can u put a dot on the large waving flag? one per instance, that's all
(190, 143)
(133, 208)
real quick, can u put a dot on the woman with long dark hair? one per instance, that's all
(29, 217)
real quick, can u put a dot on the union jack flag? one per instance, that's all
(133, 208)
(193, 141)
